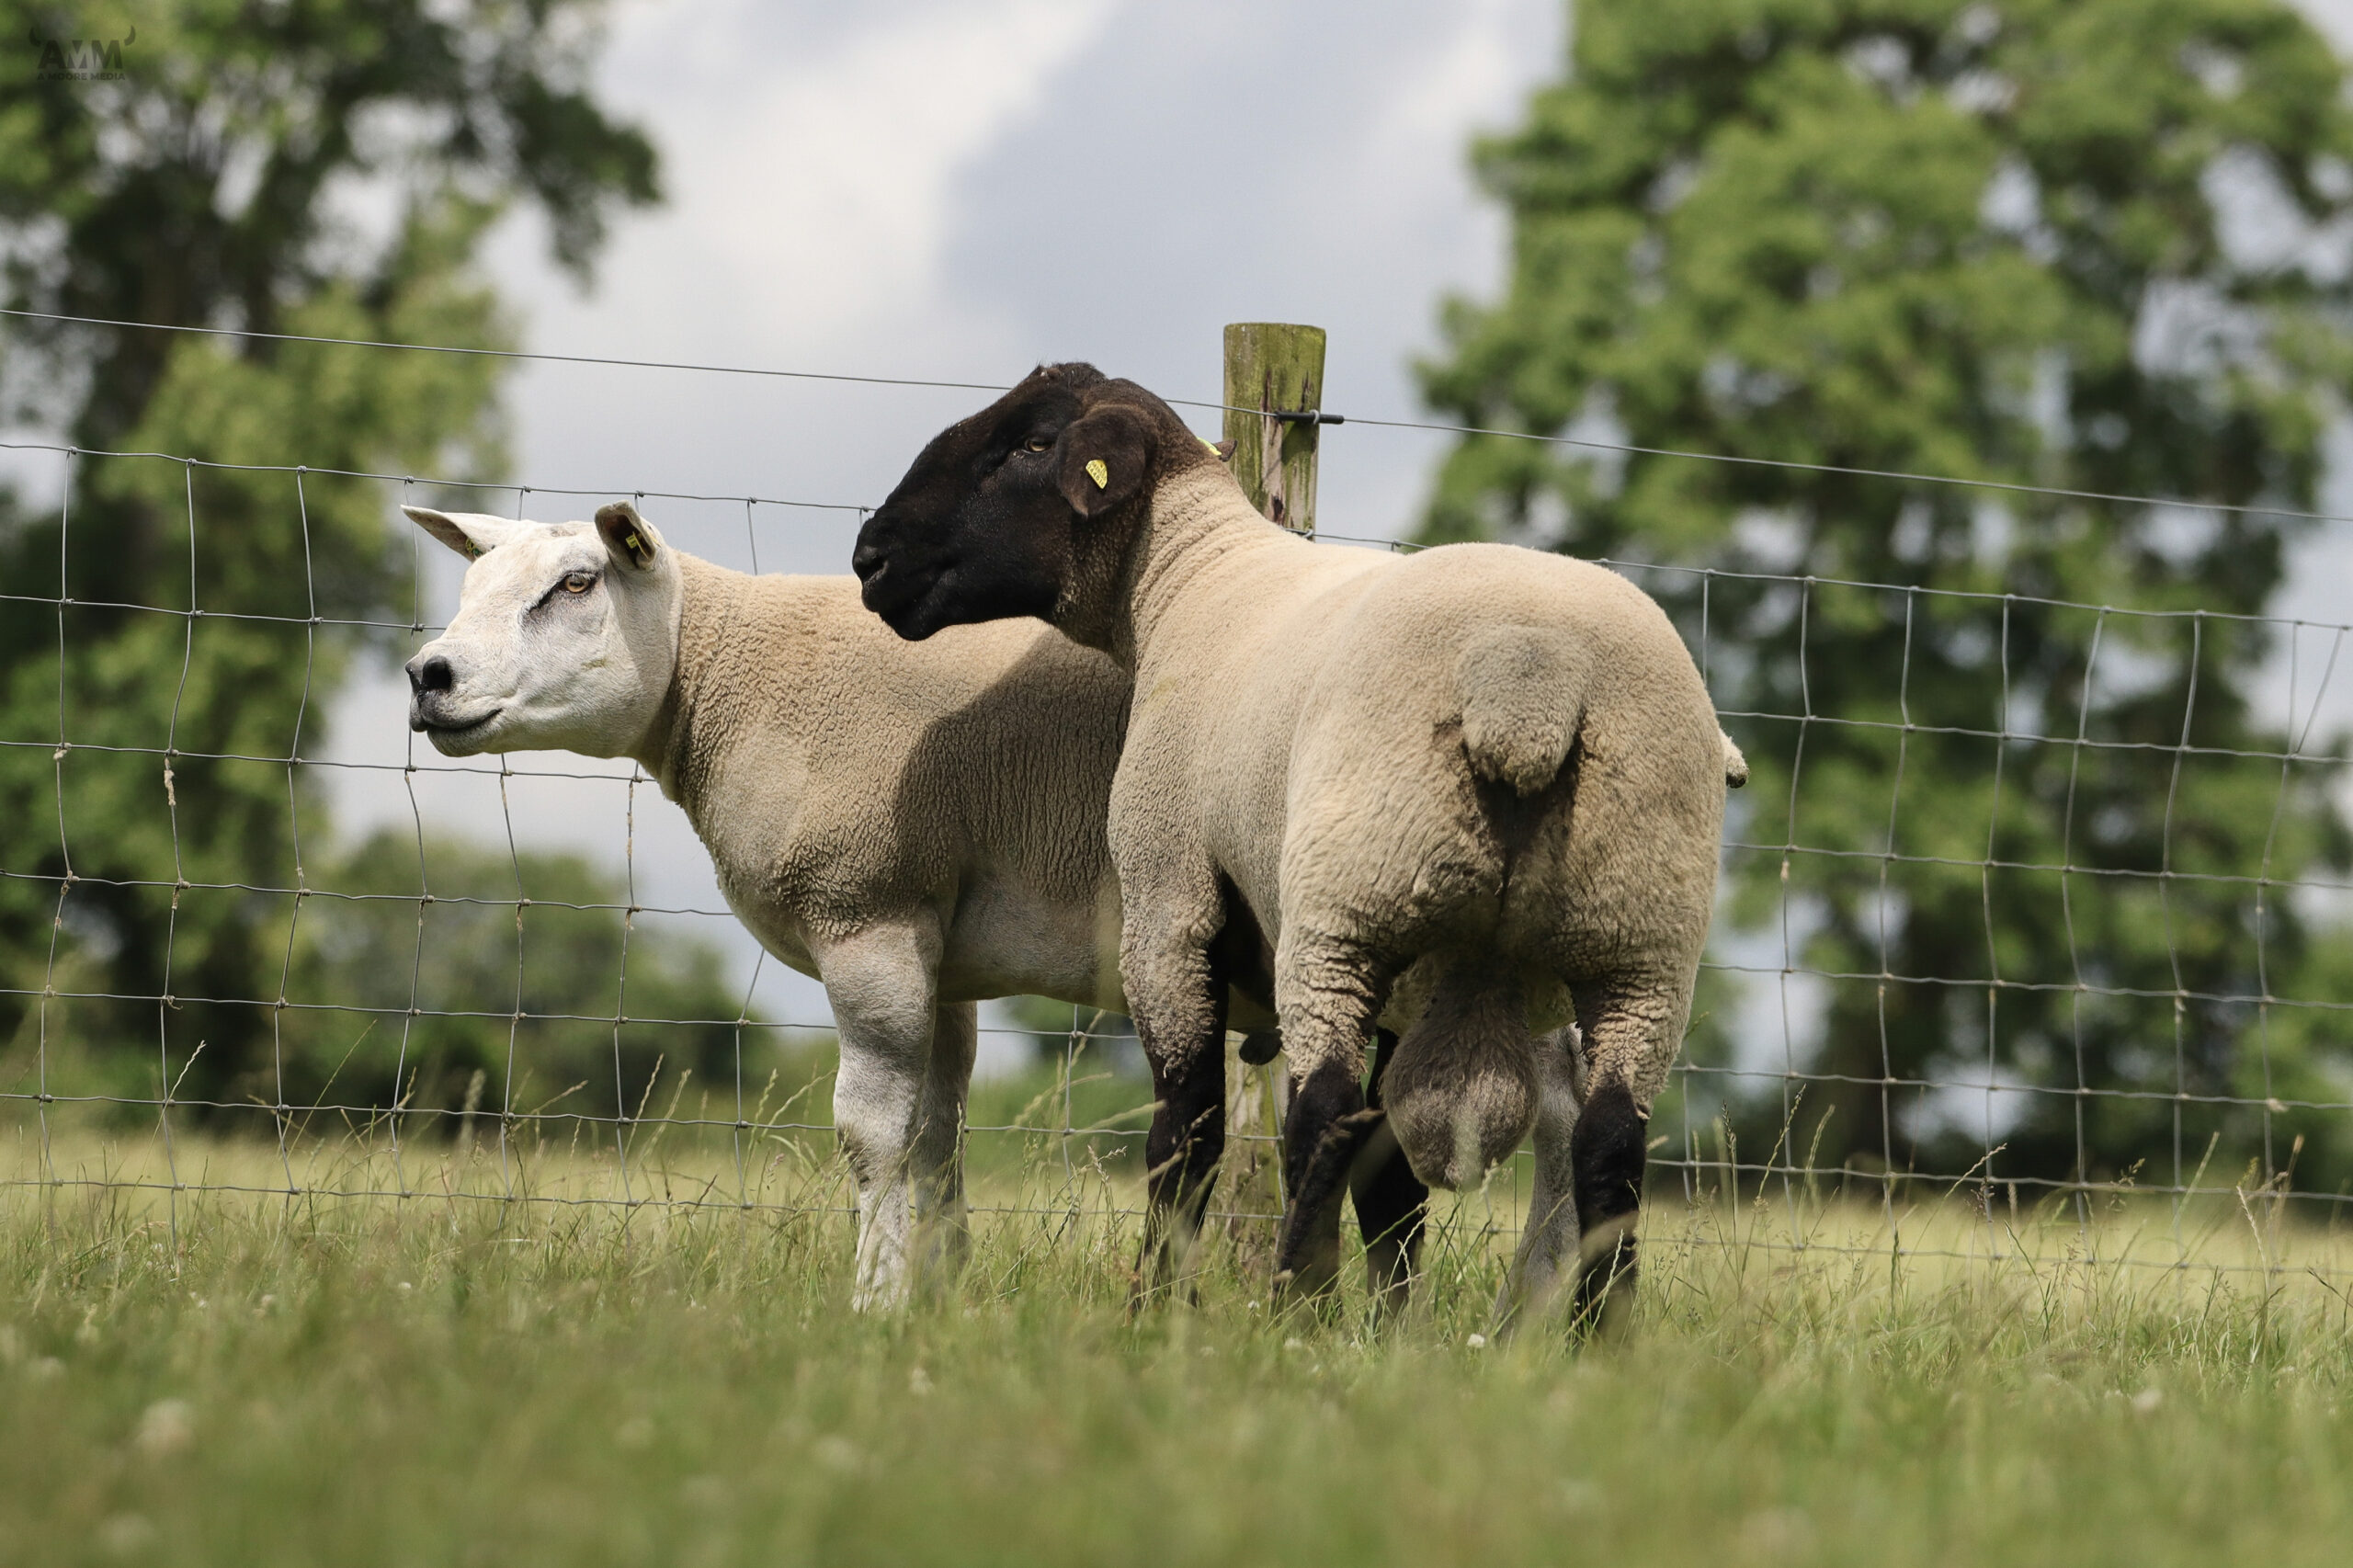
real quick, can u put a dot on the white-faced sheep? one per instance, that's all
(1477, 791)
(918, 827)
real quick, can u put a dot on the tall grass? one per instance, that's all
(470, 1354)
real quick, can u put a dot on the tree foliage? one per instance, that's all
(526, 968)
(172, 632)
(2091, 245)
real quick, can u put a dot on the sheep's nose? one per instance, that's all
(431, 672)
(866, 560)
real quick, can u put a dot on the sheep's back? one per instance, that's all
(852, 769)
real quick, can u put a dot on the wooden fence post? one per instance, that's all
(1275, 368)
(1270, 368)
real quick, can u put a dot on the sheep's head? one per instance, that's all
(1025, 508)
(565, 636)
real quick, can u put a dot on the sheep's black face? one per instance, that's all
(986, 525)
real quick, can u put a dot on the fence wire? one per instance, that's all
(2132, 1012)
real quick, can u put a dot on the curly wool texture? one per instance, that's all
(841, 777)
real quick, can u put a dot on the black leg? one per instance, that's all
(1181, 1153)
(1326, 1124)
(1607, 1154)
(1390, 1202)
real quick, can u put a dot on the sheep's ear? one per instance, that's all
(469, 533)
(629, 538)
(1103, 460)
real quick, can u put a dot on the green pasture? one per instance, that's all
(470, 1354)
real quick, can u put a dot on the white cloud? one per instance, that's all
(809, 188)
(1474, 80)
(812, 158)
(2333, 17)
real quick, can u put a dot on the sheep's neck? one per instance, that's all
(671, 750)
(1199, 526)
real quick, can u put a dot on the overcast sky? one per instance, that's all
(957, 189)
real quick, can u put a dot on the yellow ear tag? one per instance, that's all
(1099, 472)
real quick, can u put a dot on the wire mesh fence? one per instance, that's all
(2038, 901)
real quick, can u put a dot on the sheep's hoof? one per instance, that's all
(1152, 1284)
(1143, 1291)
(1605, 1291)
(1388, 1279)
(1300, 1282)
(1312, 1279)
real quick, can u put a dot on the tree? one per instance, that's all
(520, 967)
(172, 633)
(2082, 245)
(525, 992)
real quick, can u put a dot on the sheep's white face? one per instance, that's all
(565, 636)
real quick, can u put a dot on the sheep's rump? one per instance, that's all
(1508, 766)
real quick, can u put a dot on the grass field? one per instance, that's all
(253, 1377)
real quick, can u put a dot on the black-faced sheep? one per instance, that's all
(918, 827)
(1477, 791)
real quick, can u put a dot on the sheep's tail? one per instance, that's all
(1462, 1090)
(1523, 692)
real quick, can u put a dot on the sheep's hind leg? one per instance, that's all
(1548, 1242)
(1632, 1029)
(1179, 1003)
(1607, 1155)
(1389, 1201)
(1328, 995)
(879, 983)
(942, 1234)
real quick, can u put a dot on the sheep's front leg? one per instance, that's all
(1179, 1008)
(1548, 1242)
(942, 1231)
(879, 982)
(1329, 992)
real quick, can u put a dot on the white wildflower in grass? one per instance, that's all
(164, 1428)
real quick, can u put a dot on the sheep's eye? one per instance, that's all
(1039, 443)
(579, 581)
